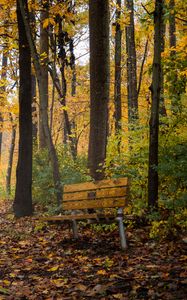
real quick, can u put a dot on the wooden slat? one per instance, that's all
(104, 203)
(101, 193)
(76, 217)
(86, 186)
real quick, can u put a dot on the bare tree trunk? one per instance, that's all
(23, 196)
(154, 121)
(99, 85)
(44, 53)
(131, 66)
(117, 84)
(34, 104)
(39, 75)
(172, 28)
(142, 66)
(73, 93)
(54, 51)
(10, 160)
(3, 89)
(73, 67)
(162, 109)
(176, 88)
(34, 110)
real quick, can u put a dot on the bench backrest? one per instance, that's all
(99, 194)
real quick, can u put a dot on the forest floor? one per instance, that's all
(38, 261)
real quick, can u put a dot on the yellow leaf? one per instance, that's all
(47, 22)
(53, 269)
(101, 272)
(6, 282)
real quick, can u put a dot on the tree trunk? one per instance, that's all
(39, 75)
(10, 160)
(23, 196)
(99, 85)
(117, 84)
(154, 121)
(162, 109)
(142, 67)
(3, 89)
(176, 89)
(172, 27)
(34, 104)
(73, 68)
(34, 110)
(44, 53)
(131, 66)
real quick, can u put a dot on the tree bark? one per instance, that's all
(23, 196)
(117, 84)
(162, 109)
(34, 104)
(131, 66)
(154, 121)
(73, 68)
(3, 89)
(44, 53)
(99, 85)
(175, 88)
(142, 67)
(10, 160)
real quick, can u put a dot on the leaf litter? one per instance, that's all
(40, 261)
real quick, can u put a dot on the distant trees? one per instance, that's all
(99, 85)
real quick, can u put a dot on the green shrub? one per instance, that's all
(172, 169)
(70, 172)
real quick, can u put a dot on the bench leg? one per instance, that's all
(121, 229)
(75, 229)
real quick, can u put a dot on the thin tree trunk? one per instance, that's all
(58, 87)
(131, 66)
(53, 46)
(99, 85)
(162, 109)
(34, 104)
(174, 86)
(44, 53)
(52, 109)
(172, 28)
(117, 84)
(3, 89)
(73, 68)
(23, 196)
(73, 93)
(154, 121)
(39, 75)
(142, 67)
(10, 160)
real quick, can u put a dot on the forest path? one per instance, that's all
(44, 262)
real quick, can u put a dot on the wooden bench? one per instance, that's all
(104, 194)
